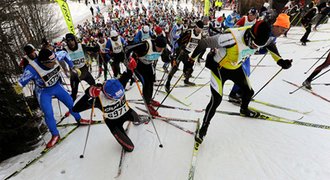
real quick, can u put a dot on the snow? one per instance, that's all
(234, 147)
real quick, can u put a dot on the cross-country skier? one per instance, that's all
(226, 63)
(45, 72)
(111, 100)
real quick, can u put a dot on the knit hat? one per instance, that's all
(158, 30)
(113, 33)
(70, 36)
(28, 49)
(282, 20)
(220, 19)
(160, 42)
(145, 29)
(46, 55)
(253, 11)
(200, 24)
(260, 33)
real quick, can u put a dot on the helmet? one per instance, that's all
(113, 33)
(113, 89)
(260, 33)
(29, 48)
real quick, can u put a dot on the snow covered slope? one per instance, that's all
(234, 148)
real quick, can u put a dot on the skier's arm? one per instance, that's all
(63, 55)
(28, 74)
(218, 41)
(86, 102)
(184, 38)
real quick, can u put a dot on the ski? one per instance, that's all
(62, 118)
(41, 154)
(307, 90)
(165, 118)
(175, 98)
(280, 107)
(277, 106)
(281, 120)
(168, 121)
(184, 85)
(138, 101)
(194, 155)
(76, 124)
(122, 155)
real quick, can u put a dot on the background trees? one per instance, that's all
(21, 22)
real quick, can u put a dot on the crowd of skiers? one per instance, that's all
(137, 36)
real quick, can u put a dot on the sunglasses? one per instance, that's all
(53, 58)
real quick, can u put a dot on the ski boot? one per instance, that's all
(154, 103)
(234, 98)
(307, 84)
(152, 110)
(167, 86)
(53, 141)
(86, 122)
(188, 83)
(249, 113)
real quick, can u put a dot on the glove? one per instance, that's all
(18, 89)
(285, 64)
(132, 64)
(94, 91)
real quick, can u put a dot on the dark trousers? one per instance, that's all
(116, 128)
(222, 75)
(75, 80)
(308, 27)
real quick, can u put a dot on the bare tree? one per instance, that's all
(21, 22)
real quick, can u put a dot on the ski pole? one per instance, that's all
(267, 83)
(89, 127)
(145, 104)
(59, 107)
(197, 90)
(258, 63)
(311, 81)
(317, 61)
(161, 80)
(199, 73)
(294, 18)
(326, 84)
(170, 91)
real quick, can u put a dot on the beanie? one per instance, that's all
(70, 36)
(260, 32)
(28, 49)
(160, 42)
(158, 30)
(200, 24)
(145, 29)
(282, 20)
(46, 55)
(220, 19)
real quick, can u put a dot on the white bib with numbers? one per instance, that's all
(113, 109)
(77, 56)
